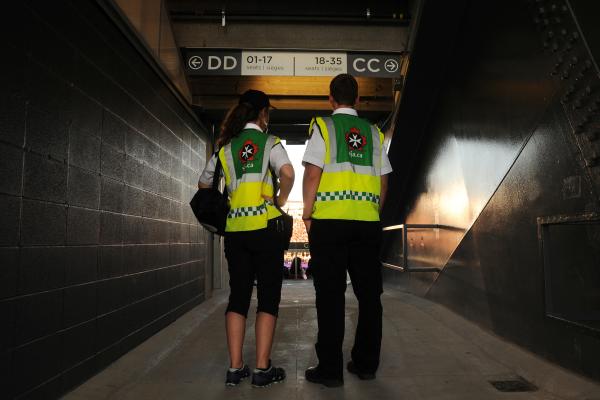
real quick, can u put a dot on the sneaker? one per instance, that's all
(235, 376)
(314, 375)
(264, 378)
(365, 376)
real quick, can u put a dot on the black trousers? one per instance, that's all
(337, 246)
(254, 254)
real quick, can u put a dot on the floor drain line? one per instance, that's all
(514, 385)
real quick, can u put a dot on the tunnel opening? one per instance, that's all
(110, 110)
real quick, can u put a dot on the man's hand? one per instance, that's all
(307, 223)
(310, 183)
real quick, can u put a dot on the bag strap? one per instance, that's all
(275, 189)
(217, 174)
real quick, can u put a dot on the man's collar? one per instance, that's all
(250, 125)
(345, 110)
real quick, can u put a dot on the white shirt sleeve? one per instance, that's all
(206, 177)
(315, 148)
(386, 167)
(278, 157)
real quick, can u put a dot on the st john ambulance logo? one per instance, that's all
(355, 140)
(248, 151)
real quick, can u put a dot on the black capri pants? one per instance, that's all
(253, 254)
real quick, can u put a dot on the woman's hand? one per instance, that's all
(307, 222)
(281, 201)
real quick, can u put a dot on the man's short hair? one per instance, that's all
(344, 89)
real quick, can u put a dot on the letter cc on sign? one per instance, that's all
(374, 65)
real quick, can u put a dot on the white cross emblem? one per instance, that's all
(355, 140)
(247, 151)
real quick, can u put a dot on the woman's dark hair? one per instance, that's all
(235, 120)
(344, 89)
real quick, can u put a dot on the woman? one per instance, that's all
(247, 153)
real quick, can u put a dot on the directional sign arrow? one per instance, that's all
(195, 62)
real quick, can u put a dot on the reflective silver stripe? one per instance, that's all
(376, 150)
(331, 135)
(348, 166)
(267, 154)
(347, 195)
(266, 174)
(247, 211)
(233, 183)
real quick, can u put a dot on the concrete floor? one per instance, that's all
(427, 353)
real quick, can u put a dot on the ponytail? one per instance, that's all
(234, 122)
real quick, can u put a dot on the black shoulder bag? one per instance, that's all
(210, 206)
(285, 223)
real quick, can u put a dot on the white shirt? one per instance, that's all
(315, 148)
(277, 158)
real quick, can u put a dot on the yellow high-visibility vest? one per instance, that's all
(245, 162)
(350, 185)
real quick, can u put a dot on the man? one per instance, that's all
(344, 187)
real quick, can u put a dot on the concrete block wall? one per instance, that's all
(98, 246)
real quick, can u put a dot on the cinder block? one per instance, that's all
(152, 155)
(12, 120)
(134, 172)
(41, 269)
(82, 264)
(186, 156)
(79, 304)
(134, 201)
(164, 187)
(43, 223)
(45, 179)
(133, 258)
(174, 189)
(38, 315)
(151, 205)
(174, 233)
(36, 363)
(83, 188)
(135, 144)
(111, 228)
(177, 168)
(113, 131)
(11, 169)
(9, 215)
(83, 226)
(111, 262)
(151, 180)
(152, 231)
(84, 150)
(164, 163)
(110, 297)
(133, 230)
(46, 135)
(85, 113)
(112, 163)
(80, 339)
(112, 195)
(9, 263)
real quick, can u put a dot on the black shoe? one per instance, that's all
(236, 376)
(365, 376)
(314, 375)
(262, 378)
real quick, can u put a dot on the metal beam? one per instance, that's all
(285, 36)
(290, 103)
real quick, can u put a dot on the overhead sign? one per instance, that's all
(290, 63)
